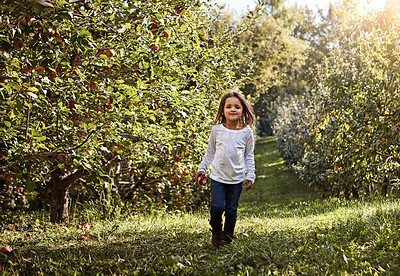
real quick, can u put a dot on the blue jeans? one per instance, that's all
(225, 198)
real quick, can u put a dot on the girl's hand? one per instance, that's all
(248, 184)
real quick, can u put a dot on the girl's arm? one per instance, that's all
(209, 155)
(249, 159)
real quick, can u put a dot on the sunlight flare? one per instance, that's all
(367, 6)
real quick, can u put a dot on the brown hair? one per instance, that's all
(248, 113)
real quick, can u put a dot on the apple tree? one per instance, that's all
(352, 142)
(109, 93)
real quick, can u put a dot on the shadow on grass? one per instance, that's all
(356, 245)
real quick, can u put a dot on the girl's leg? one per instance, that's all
(233, 192)
(217, 202)
(216, 210)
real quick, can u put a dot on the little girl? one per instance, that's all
(231, 152)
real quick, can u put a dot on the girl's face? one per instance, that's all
(233, 109)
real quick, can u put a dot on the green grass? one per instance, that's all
(283, 229)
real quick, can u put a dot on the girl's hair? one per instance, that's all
(248, 116)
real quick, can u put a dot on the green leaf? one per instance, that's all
(6, 87)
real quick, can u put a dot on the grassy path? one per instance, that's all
(276, 188)
(283, 229)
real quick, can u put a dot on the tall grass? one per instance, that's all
(283, 229)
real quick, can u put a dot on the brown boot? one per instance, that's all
(226, 237)
(216, 235)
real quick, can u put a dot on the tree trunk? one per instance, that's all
(59, 185)
(59, 204)
(384, 189)
(354, 191)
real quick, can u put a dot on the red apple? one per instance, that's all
(23, 21)
(39, 69)
(202, 179)
(117, 147)
(8, 177)
(99, 51)
(17, 43)
(166, 35)
(109, 106)
(52, 76)
(51, 31)
(27, 69)
(179, 10)
(58, 38)
(72, 104)
(5, 249)
(154, 47)
(59, 69)
(154, 27)
(85, 227)
(84, 237)
(92, 86)
(109, 53)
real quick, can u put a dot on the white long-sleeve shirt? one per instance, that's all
(231, 153)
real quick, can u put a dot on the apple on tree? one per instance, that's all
(109, 106)
(58, 38)
(109, 53)
(99, 52)
(5, 249)
(154, 27)
(154, 47)
(8, 177)
(39, 69)
(23, 21)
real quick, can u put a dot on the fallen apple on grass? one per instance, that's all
(84, 237)
(85, 227)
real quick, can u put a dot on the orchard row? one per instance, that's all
(344, 137)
